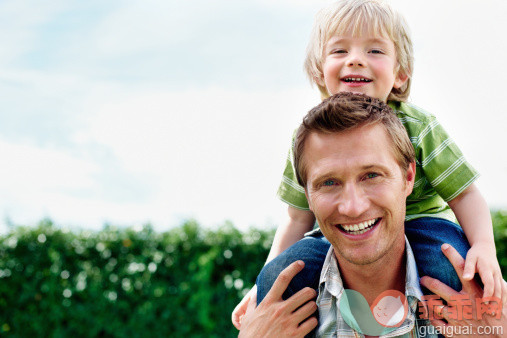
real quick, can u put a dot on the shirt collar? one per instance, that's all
(330, 277)
(412, 286)
(337, 318)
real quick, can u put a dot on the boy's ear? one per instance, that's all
(319, 80)
(401, 79)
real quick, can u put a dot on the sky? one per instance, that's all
(158, 111)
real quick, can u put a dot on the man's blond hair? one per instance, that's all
(358, 17)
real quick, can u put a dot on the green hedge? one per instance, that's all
(127, 282)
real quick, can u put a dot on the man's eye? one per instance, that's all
(371, 175)
(328, 183)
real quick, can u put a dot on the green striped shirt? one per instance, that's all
(442, 173)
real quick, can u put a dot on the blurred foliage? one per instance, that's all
(135, 282)
(126, 282)
(500, 230)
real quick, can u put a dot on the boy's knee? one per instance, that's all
(267, 277)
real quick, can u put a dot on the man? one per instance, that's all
(356, 163)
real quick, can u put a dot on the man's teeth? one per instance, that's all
(356, 79)
(359, 228)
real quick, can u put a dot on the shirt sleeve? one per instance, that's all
(289, 190)
(442, 161)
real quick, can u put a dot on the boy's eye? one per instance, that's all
(376, 51)
(339, 51)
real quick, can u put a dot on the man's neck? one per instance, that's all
(387, 273)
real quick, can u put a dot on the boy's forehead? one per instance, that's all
(365, 30)
(338, 39)
(359, 24)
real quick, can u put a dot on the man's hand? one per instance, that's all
(472, 290)
(240, 309)
(275, 317)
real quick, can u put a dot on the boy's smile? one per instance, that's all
(355, 80)
(365, 65)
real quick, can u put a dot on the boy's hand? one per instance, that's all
(481, 258)
(472, 290)
(240, 309)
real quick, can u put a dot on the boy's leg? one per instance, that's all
(426, 235)
(312, 250)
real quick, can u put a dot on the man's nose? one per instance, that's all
(352, 202)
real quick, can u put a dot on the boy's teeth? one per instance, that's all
(356, 79)
(359, 226)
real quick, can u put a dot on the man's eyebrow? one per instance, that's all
(333, 175)
(372, 166)
(323, 177)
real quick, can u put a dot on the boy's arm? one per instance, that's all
(299, 222)
(474, 216)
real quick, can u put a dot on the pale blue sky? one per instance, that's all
(130, 112)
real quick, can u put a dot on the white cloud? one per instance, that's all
(36, 181)
(212, 154)
(28, 167)
(215, 154)
(131, 151)
(19, 21)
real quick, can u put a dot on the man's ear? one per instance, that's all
(308, 199)
(410, 178)
(401, 79)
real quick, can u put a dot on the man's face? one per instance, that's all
(357, 191)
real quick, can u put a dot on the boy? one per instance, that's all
(363, 46)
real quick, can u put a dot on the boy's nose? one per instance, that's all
(355, 59)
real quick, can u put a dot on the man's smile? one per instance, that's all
(359, 228)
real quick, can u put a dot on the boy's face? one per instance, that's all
(364, 65)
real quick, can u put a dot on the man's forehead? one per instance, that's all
(359, 148)
(366, 137)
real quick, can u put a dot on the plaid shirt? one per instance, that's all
(333, 324)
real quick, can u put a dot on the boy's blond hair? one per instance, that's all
(356, 16)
